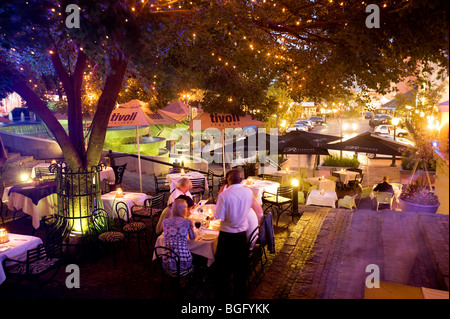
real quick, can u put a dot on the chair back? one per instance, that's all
(285, 191)
(44, 173)
(118, 173)
(155, 201)
(101, 221)
(175, 170)
(198, 185)
(384, 197)
(169, 261)
(121, 212)
(252, 239)
(52, 250)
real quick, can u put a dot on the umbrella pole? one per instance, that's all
(139, 159)
(223, 153)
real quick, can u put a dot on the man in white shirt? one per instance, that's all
(232, 208)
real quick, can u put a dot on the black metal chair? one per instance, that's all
(339, 183)
(198, 186)
(118, 173)
(279, 203)
(254, 251)
(131, 228)
(161, 185)
(107, 234)
(151, 210)
(44, 260)
(358, 178)
(175, 170)
(169, 262)
(210, 178)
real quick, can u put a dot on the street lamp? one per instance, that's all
(394, 122)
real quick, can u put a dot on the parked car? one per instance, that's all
(307, 123)
(298, 127)
(379, 119)
(368, 115)
(317, 120)
(387, 129)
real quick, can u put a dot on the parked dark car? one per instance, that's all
(379, 119)
(317, 120)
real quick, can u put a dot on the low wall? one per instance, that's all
(37, 147)
(152, 168)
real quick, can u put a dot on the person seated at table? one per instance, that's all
(257, 209)
(183, 188)
(177, 228)
(384, 186)
(167, 212)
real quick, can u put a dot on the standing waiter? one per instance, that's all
(233, 205)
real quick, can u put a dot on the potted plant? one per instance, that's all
(418, 198)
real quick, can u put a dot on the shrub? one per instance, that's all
(341, 162)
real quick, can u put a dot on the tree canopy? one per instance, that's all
(234, 50)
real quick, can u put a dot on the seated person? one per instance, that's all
(167, 212)
(225, 185)
(252, 221)
(385, 186)
(176, 229)
(183, 188)
(257, 208)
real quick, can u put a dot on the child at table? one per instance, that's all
(176, 229)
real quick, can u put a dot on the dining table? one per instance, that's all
(322, 198)
(346, 176)
(322, 183)
(207, 236)
(37, 199)
(16, 248)
(129, 198)
(173, 179)
(259, 186)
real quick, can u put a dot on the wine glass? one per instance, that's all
(197, 224)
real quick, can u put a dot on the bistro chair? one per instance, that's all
(384, 198)
(198, 186)
(175, 170)
(169, 263)
(131, 228)
(337, 179)
(279, 203)
(118, 173)
(107, 235)
(254, 251)
(210, 178)
(42, 261)
(151, 210)
(363, 192)
(347, 202)
(161, 185)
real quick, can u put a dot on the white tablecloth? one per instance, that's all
(173, 179)
(397, 187)
(107, 173)
(109, 201)
(46, 206)
(260, 186)
(198, 246)
(325, 184)
(16, 248)
(347, 176)
(327, 199)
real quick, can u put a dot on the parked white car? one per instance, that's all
(298, 127)
(387, 129)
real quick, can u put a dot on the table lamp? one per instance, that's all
(53, 162)
(4, 238)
